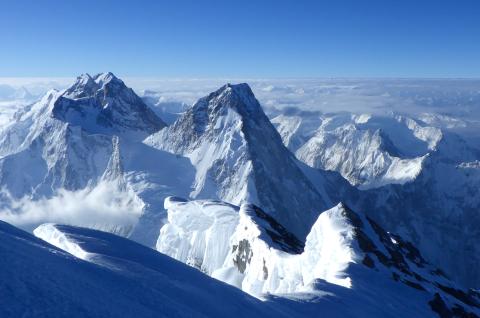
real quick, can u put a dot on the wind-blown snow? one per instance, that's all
(105, 206)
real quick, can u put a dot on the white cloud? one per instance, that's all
(105, 206)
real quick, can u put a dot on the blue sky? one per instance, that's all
(262, 38)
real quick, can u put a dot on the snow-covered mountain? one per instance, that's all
(239, 156)
(103, 104)
(369, 151)
(224, 147)
(438, 210)
(418, 180)
(247, 248)
(8, 92)
(87, 137)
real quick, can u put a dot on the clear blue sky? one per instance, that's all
(243, 38)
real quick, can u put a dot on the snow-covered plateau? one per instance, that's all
(296, 210)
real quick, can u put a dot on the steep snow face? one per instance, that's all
(103, 104)
(343, 248)
(55, 156)
(330, 248)
(239, 157)
(198, 232)
(119, 279)
(369, 151)
(268, 258)
(253, 251)
(27, 124)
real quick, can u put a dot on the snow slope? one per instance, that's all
(119, 279)
(245, 247)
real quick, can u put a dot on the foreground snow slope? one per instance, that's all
(245, 247)
(367, 297)
(120, 279)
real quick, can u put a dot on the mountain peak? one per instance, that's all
(84, 86)
(228, 131)
(104, 104)
(84, 78)
(241, 88)
(237, 96)
(108, 77)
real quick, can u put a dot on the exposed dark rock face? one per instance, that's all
(460, 295)
(368, 261)
(439, 306)
(243, 255)
(265, 271)
(280, 235)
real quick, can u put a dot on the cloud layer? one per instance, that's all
(458, 97)
(445, 96)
